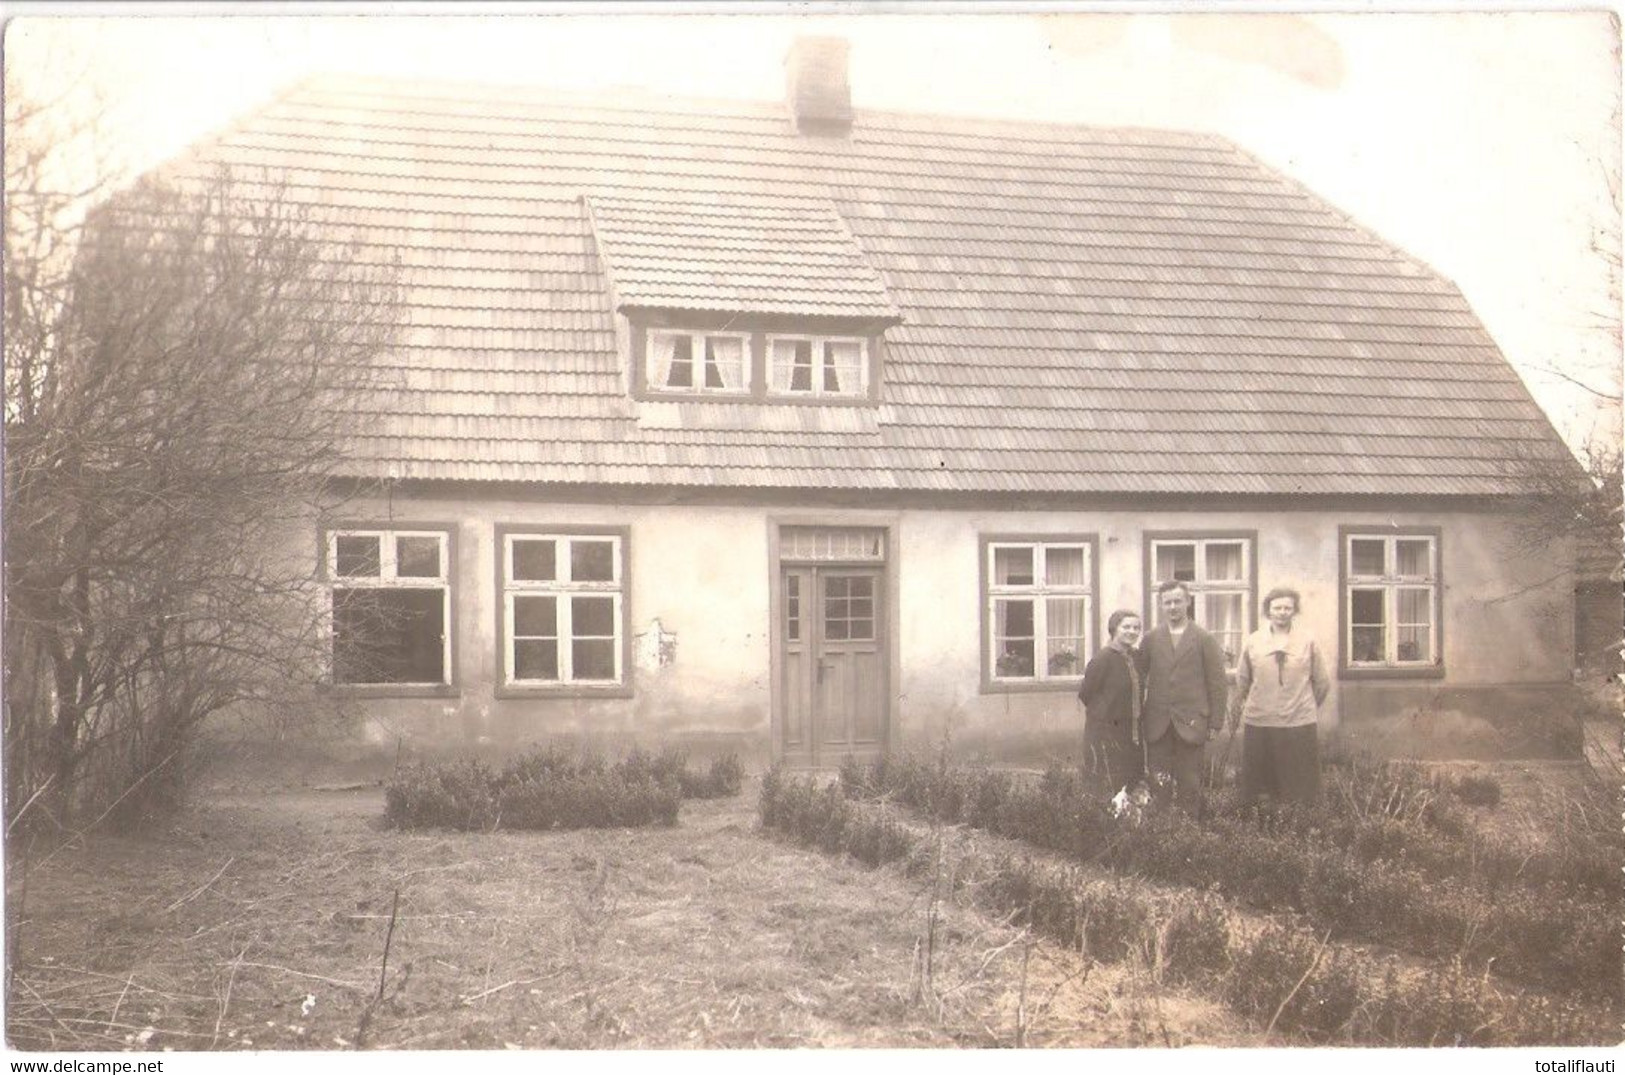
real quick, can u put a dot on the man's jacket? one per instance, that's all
(1185, 684)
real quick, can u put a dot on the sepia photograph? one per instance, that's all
(835, 527)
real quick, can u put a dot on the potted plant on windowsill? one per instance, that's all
(1013, 663)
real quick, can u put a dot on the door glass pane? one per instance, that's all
(1414, 561)
(1224, 561)
(592, 561)
(417, 557)
(1368, 557)
(1064, 654)
(1063, 566)
(356, 556)
(535, 560)
(848, 608)
(1176, 562)
(792, 608)
(1013, 565)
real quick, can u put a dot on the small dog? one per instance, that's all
(1131, 804)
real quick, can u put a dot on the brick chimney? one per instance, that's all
(820, 95)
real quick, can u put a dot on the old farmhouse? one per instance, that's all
(817, 431)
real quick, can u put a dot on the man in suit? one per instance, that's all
(1185, 693)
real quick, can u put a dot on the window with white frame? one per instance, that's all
(563, 609)
(817, 366)
(1217, 571)
(1391, 600)
(1039, 608)
(391, 606)
(704, 362)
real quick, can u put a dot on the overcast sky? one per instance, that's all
(1484, 144)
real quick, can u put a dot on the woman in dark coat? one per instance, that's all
(1112, 692)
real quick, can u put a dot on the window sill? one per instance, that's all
(391, 690)
(1043, 686)
(687, 395)
(772, 399)
(563, 690)
(1429, 671)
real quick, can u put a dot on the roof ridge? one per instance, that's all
(701, 105)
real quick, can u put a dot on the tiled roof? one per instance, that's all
(735, 253)
(1082, 310)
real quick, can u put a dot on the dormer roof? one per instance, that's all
(735, 251)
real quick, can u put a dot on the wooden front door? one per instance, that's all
(832, 660)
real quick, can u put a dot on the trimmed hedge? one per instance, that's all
(1345, 997)
(1358, 876)
(554, 789)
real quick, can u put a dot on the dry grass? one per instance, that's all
(260, 921)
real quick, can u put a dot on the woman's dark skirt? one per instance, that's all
(1110, 753)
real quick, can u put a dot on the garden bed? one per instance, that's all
(555, 788)
(1321, 893)
(216, 932)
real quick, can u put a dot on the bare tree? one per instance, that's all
(182, 361)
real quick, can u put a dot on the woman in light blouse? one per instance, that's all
(1281, 683)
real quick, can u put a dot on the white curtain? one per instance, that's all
(784, 364)
(1224, 562)
(1415, 617)
(1065, 619)
(1063, 567)
(725, 358)
(1413, 559)
(1013, 566)
(843, 367)
(662, 349)
(1224, 619)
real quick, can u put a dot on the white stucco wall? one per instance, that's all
(703, 573)
(1505, 623)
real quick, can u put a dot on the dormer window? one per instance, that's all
(729, 358)
(741, 296)
(818, 366)
(704, 362)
